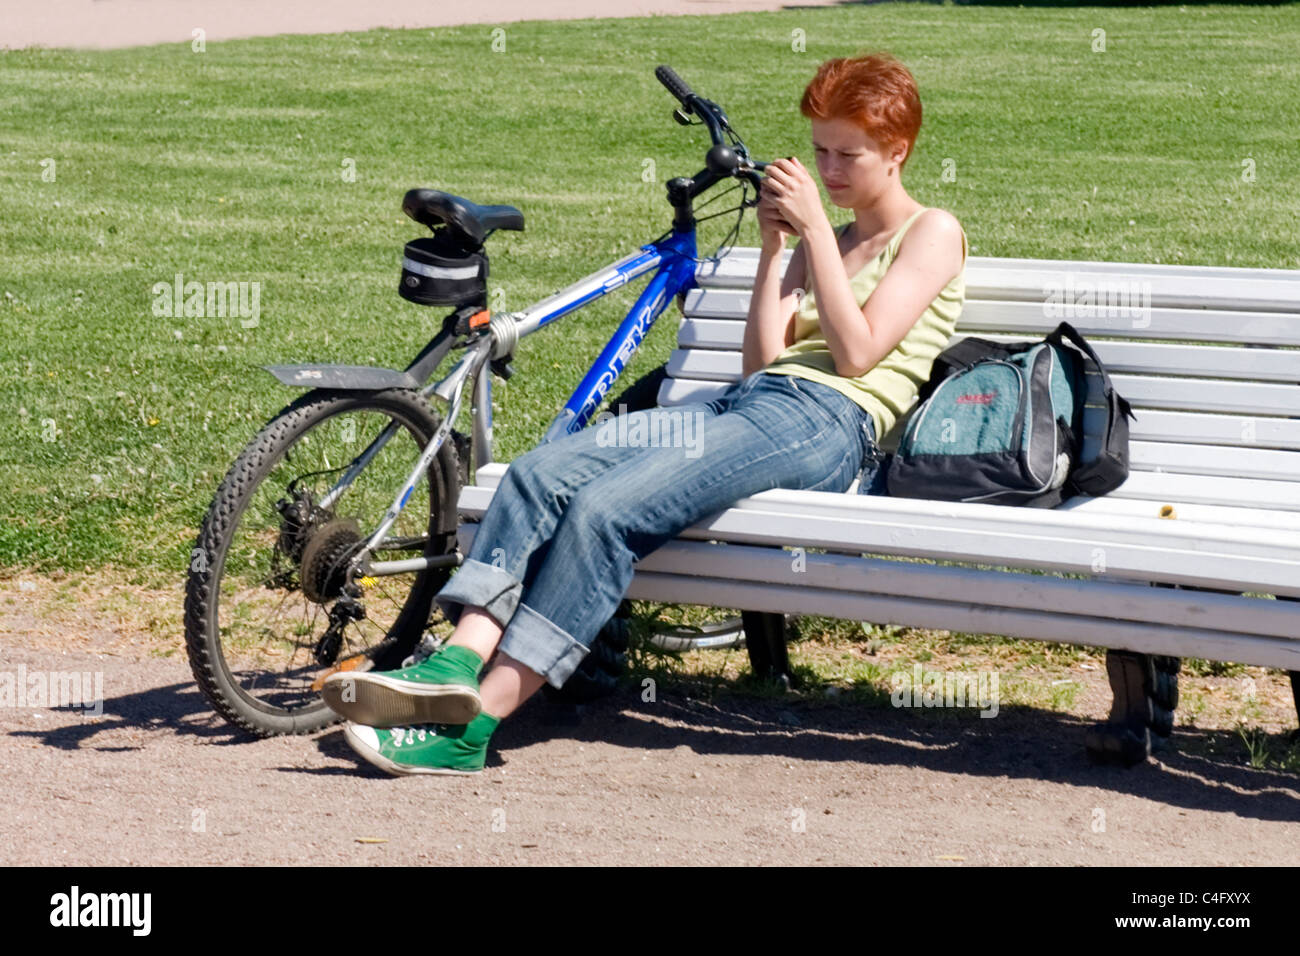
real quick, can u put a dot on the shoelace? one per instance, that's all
(427, 647)
(411, 734)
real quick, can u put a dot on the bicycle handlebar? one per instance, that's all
(676, 86)
(724, 159)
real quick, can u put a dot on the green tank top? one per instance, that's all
(890, 388)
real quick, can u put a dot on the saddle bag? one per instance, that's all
(442, 270)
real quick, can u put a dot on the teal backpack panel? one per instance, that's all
(1003, 424)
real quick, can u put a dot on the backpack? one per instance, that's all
(1002, 423)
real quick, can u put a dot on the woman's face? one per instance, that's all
(853, 167)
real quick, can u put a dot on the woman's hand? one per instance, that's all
(793, 194)
(772, 229)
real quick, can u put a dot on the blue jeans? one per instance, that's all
(553, 554)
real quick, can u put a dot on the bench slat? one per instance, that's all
(1125, 602)
(1217, 513)
(1241, 500)
(987, 277)
(739, 264)
(1030, 319)
(1167, 392)
(1163, 358)
(1161, 456)
(908, 612)
(1190, 428)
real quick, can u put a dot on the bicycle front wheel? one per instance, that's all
(269, 611)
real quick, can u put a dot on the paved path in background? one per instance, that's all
(122, 23)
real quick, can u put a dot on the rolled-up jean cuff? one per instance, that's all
(480, 585)
(542, 646)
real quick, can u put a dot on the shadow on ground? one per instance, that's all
(179, 707)
(1024, 743)
(1204, 770)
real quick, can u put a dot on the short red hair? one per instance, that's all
(874, 91)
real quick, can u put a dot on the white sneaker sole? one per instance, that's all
(377, 700)
(357, 739)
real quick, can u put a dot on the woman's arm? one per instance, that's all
(769, 328)
(929, 256)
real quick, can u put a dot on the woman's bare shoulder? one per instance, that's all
(937, 221)
(937, 228)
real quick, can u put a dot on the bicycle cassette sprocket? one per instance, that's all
(325, 558)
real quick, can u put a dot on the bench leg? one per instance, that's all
(1145, 688)
(1295, 677)
(1295, 695)
(765, 640)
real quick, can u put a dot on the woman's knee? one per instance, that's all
(531, 471)
(595, 511)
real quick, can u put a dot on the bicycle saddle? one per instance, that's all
(431, 206)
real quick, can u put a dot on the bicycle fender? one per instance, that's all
(348, 377)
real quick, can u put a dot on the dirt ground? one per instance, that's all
(159, 779)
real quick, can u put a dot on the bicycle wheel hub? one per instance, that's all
(325, 558)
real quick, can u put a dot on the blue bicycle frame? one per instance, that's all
(674, 255)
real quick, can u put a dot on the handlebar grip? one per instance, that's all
(676, 86)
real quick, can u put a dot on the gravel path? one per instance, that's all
(159, 779)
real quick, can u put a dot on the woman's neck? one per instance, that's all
(884, 217)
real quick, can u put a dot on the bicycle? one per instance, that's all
(307, 516)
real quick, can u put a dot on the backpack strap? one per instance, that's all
(1109, 469)
(1066, 330)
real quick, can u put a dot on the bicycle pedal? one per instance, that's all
(351, 664)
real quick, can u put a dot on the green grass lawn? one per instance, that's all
(229, 165)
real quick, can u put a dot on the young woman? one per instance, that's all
(834, 353)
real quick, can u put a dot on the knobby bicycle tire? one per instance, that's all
(202, 627)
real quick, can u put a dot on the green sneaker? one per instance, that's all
(441, 689)
(432, 748)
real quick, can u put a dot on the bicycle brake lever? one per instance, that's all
(717, 112)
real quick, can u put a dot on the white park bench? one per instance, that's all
(1180, 561)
